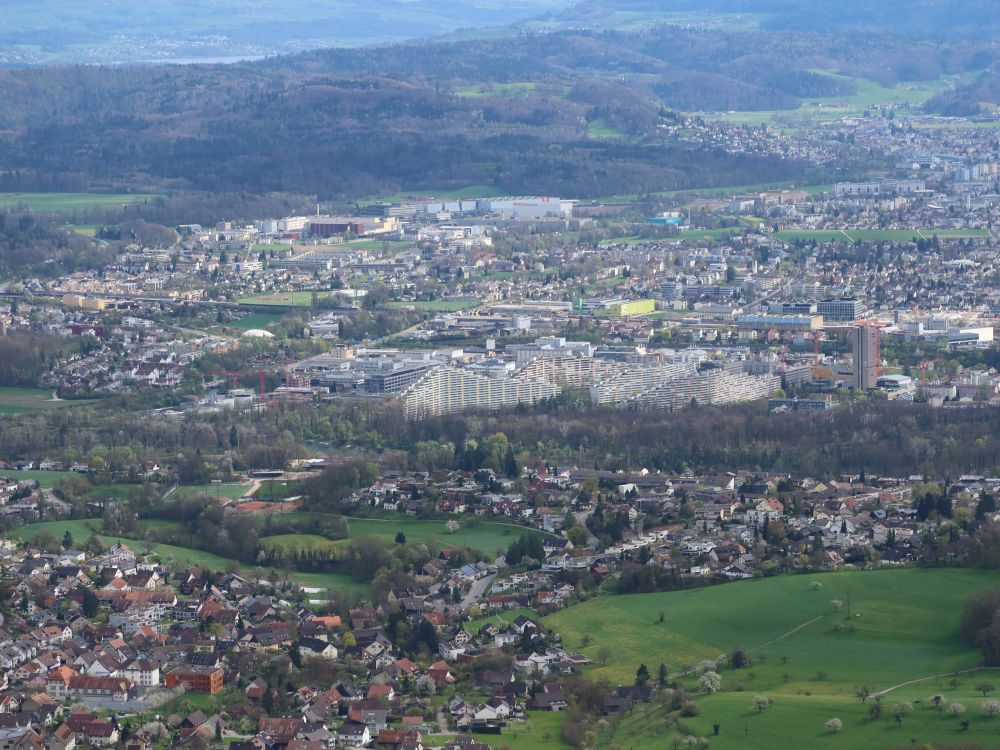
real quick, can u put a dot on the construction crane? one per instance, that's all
(923, 365)
(816, 337)
(232, 376)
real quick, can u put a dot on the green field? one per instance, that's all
(690, 235)
(503, 618)
(496, 89)
(310, 542)
(332, 582)
(877, 235)
(255, 320)
(285, 299)
(539, 731)
(867, 94)
(228, 491)
(601, 129)
(45, 479)
(486, 537)
(805, 658)
(375, 244)
(80, 529)
(69, 202)
(21, 400)
(87, 230)
(113, 491)
(183, 556)
(434, 305)
(724, 190)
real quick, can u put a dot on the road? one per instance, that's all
(477, 590)
(581, 518)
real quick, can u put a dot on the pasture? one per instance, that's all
(691, 235)
(722, 190)
(866, 94)
(485, 536)
(46, 479)
(22, 400)
(66, 203)
(505, 90)
(806, 656)
(301, 542)
(602, 129)
(539, 731)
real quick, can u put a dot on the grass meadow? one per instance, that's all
(806, 656)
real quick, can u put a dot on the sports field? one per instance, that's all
(254, 320)
(224, 490)
(286, 299)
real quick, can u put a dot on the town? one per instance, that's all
(587, 383)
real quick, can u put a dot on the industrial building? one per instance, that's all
(528, 207)
(330, 226)
(616, 307)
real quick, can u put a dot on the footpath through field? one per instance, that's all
(794, 630)
(888, 690)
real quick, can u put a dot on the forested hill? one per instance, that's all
(570, 112)
(930, 18)
(969, 98)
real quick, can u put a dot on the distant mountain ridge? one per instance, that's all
(570, 111)
(120, 31)
(929, 18)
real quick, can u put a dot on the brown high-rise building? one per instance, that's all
(865, 346)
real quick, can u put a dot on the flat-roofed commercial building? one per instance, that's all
(842, 309)
(779, 322)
